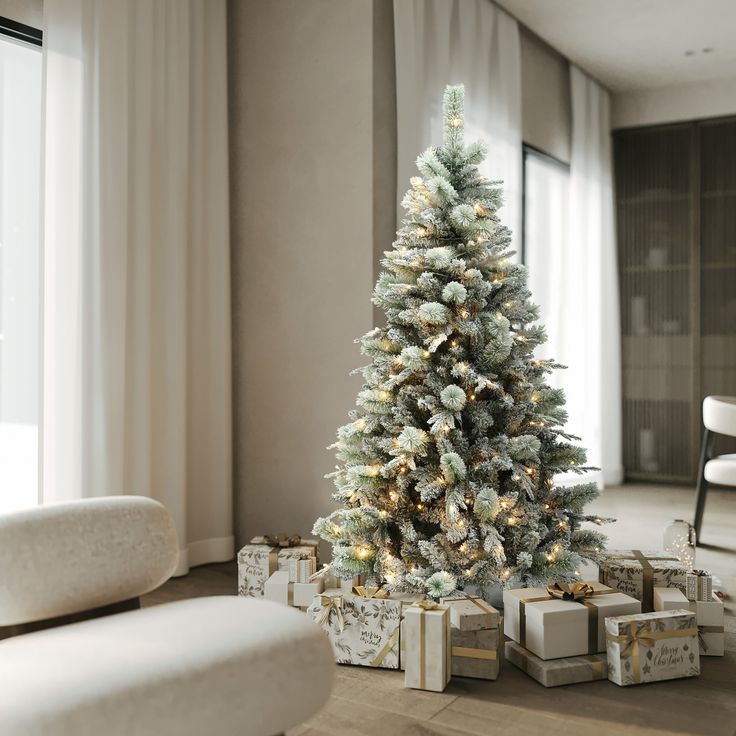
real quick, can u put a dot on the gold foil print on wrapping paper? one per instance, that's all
(592, 614)
(640, 635)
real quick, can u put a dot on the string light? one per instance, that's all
(462, 367)
(463, 313)
(362, 552)
(426, 354)
(421, 232)
(456, 122)
(511, 520)
(529, 471)
(472, 397)
(454, 343)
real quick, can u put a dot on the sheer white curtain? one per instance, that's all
(136, 389)
(470, 42)
(574, 279)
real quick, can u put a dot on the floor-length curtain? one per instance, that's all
(470, 42)
(137, 370)
(575, 281)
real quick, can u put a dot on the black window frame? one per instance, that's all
(528, 150)
(20, 31)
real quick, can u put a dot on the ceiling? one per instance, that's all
(637, 44)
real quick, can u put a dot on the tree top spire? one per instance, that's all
(453, 114)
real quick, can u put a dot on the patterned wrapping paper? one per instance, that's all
(477, 654)
(555, 672)
(637, 573)
(471, 613)
(650, 647)
(698, 585)
(257, 561)
(362, 631)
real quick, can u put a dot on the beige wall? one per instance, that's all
(29, 12)
(545, 97)
(302, 142)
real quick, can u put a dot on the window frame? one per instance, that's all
(527, 151)
(20, 31)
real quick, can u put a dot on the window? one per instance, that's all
(20, 189)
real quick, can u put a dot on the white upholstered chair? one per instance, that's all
(218, 666)
(719, 417)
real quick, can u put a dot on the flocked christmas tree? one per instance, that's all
(447, 465)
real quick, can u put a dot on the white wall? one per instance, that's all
(29, 12)
(692, 101)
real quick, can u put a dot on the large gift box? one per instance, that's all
(649, 647)
(711, 634)
(554, 672)
(565, 619)
(362, 630)
(637, 573)
(471, 613)
(477, 653)
(264, 556)
(427, 664)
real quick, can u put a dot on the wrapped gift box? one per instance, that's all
(649, 647)
(477, 653)
(279, 589)
(427, 663)
(258, 560)
(470, 613)
(363, 631)
(670, 599)
(301, 570)
(551, 628)
(554, 672)
(711, 633)
(637, 573)
(304, 592)
(699, 585)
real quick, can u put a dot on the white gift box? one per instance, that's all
(304, 592)
(363, 631)
(670, 599)
(711, 634)
(278, 588)
(649, 647)
(552, 628)
(258, 560)
(471, 613)
(427, 661)
(637, 572)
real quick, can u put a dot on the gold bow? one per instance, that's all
(282, 540)
(640, 635)
(328, 604)
(427, 604)
(370, 592)
(570, 591)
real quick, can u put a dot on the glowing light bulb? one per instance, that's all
(511, 521)
(426, 354)
(421, 232)
(456, 122)
(468, 573)
(549, 557)
(529, 471)
(472, 397)
(504, 505)
(419, 507)
(454, 343)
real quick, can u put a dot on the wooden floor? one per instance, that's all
(368, 702)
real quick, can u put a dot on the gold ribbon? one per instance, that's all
(427, 604)
(647, 575)
(282, 540)
(640, 635)
(474, 653)
(592, 613)
(328, 604)
(707, 630)
(390, 644)
(424, 606)
(370, 592)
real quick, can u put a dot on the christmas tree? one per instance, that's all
(447, 464)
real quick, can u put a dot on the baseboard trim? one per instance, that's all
(203, 552)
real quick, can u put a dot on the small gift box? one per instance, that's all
(362, 630)
(669, 599)
(554, 672)
(427, 663)
(699, 585)
(301, 570)
(278, 588)
(637, 573)
(565, 619)
(711, 633)
(304, 592)
(477, 653)
(649, 647)
(470, 613)
(263, 556)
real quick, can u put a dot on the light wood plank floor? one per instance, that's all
(368, 702)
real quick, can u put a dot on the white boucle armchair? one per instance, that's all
(79, 658)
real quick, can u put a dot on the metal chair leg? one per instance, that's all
(702, 486)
